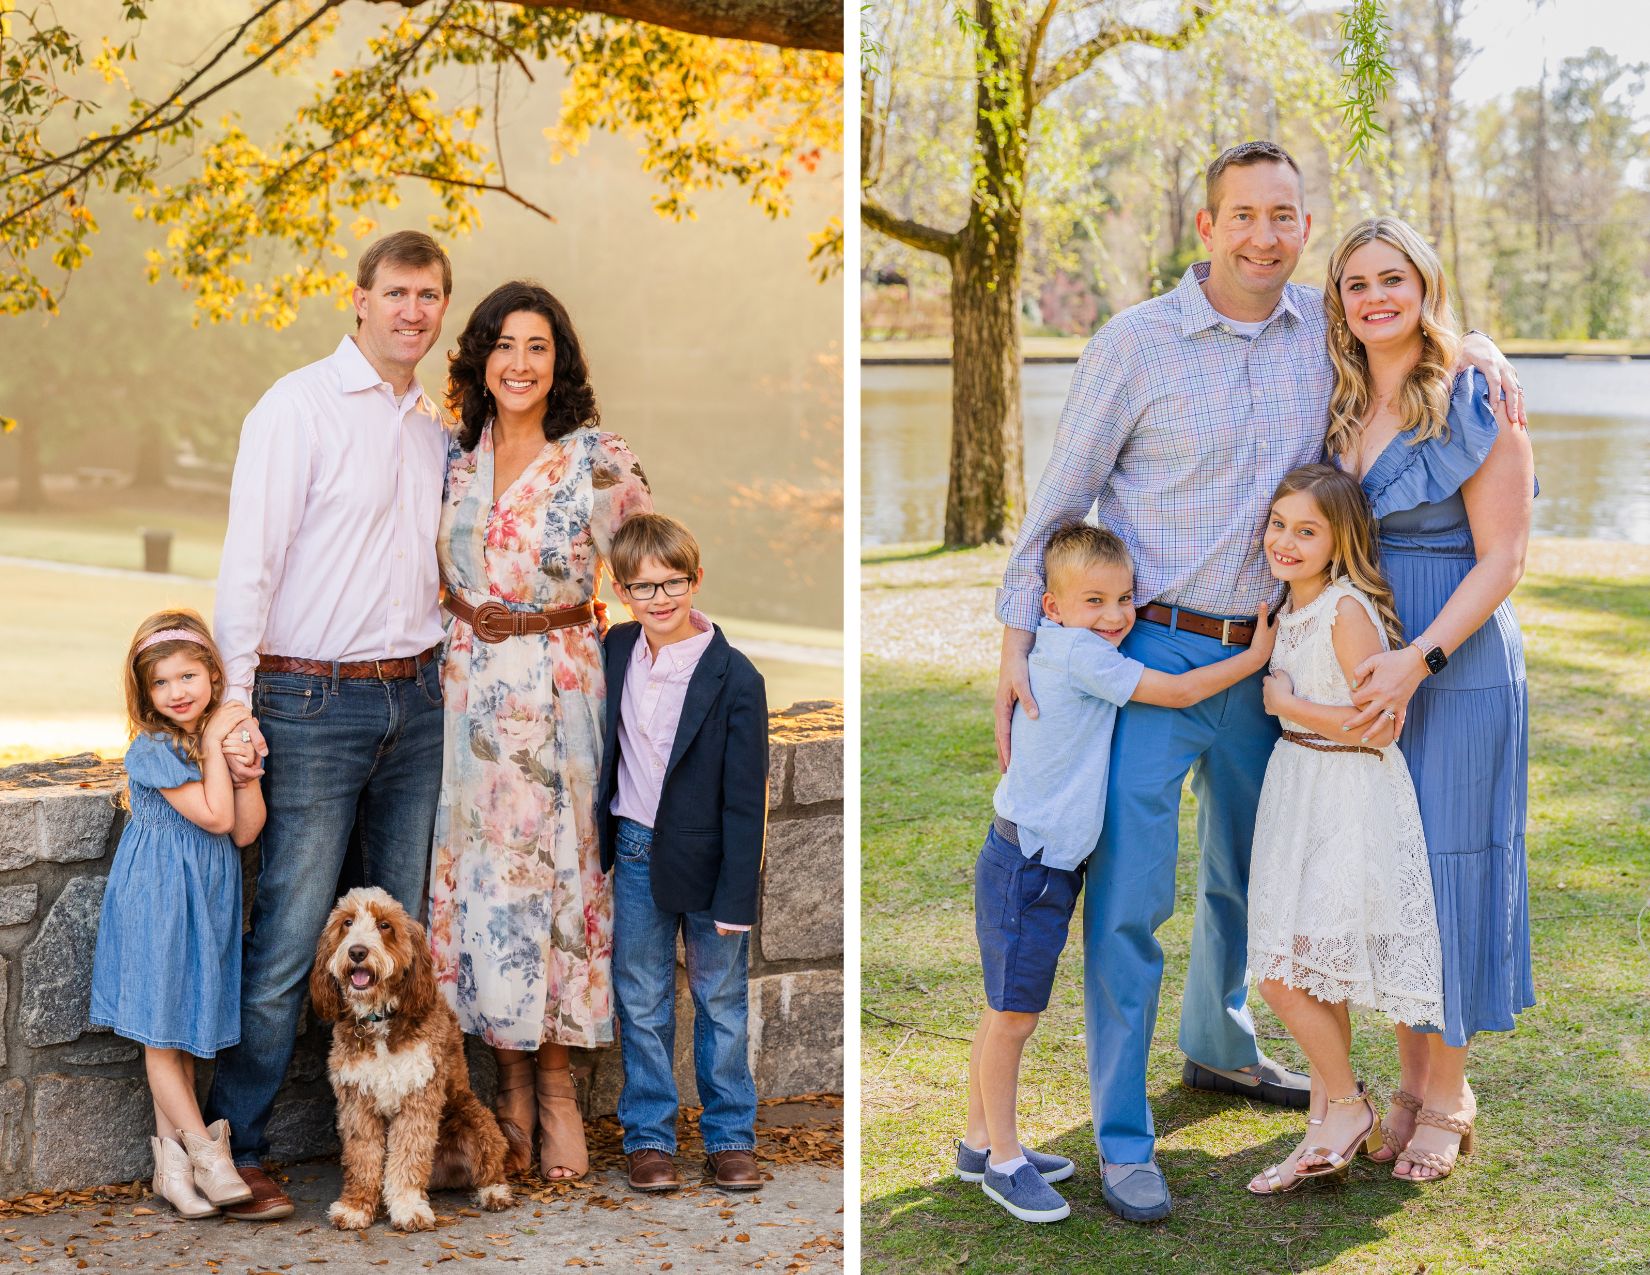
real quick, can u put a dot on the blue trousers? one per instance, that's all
(1224, 743)
(344, 755)
(644, 988)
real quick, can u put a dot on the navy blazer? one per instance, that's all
(713, 807)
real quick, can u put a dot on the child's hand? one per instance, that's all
(230, 714)
(1277, 690)
(1266, 634)
(727, 931)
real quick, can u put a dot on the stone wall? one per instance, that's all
(74, 1107)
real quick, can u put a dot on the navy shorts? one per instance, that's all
(1022, 911)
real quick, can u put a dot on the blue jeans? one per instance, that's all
(344, 754)
(1225, 742)
(644, 985)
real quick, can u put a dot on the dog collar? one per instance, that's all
(375, 1018)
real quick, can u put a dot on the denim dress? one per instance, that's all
(167, 972)
(1467, 732)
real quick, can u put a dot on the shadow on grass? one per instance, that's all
(1216, 1225)
(1619, 600)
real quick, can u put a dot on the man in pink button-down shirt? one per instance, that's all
(328, 621)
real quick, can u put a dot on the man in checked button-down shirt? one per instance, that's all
(1184, 413)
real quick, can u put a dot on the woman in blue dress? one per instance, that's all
(1451, 486)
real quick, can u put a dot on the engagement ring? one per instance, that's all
(1385, 712)
(246, 736)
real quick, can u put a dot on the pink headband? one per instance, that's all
(168, 635)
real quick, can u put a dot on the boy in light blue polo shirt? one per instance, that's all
(1049, 810)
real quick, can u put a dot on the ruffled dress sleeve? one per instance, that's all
(621, 490)
(155, 762)
(1430, 472)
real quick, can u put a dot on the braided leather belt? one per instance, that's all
(492, 621)
(1230, 632)
(1319, 744)
(382, 670)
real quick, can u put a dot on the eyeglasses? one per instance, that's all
(643, 591)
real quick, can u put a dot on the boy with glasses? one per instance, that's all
(682, 809)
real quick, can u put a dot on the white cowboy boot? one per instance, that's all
(215, 1173)
(175, 1180)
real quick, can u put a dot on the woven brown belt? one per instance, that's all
(493, 621)
(1230, 632)
(382, 670)
(1322, 745)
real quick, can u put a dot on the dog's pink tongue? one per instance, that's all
(360, 978)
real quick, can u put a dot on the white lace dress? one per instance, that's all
(1340, 894)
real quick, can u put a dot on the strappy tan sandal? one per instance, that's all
(1336, 1162)
(1441, 1163)
(1410, 1103)
(1273, 1173)
(561, 1125)
(515, 1117)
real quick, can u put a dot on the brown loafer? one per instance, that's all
(653, 1170)
(268, 1201)
(734, 1170)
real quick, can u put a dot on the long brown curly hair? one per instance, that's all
(142, 717)
(571, 401)
(1423, 399)
(1351, 535)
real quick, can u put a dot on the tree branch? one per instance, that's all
(796, 24)
(911, 233)
(470, 185)
(1034, 50)
(1075, 61)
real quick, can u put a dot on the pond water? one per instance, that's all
(1589, 419)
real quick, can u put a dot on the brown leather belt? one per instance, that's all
(381, 670)
(1319, 744)
(492, 621)
(1230, 632)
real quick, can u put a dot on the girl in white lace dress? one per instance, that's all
(1340, 895)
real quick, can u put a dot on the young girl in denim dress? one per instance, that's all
(167, 969)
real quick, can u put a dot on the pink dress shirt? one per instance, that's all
(330, 552)
(655, 688)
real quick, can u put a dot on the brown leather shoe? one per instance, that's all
(268, 1201)
(734, 1170)
(653, 1170)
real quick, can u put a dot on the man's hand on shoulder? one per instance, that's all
(1506, 394)
(1013, 683)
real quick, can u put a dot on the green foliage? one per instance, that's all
(706, 113)
(1365, 74)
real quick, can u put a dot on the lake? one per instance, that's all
(1589, 420)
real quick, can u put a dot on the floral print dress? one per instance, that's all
(521, 914)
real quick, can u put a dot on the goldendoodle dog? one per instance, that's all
(406, 1117)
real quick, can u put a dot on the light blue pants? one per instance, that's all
(1224, 743)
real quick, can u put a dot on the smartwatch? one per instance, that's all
(1433, 654)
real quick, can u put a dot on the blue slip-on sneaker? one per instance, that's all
(1135, 1192)
(1025, 1195)
(1051, 1168)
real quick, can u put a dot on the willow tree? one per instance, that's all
(1035, 67)
(718, 92)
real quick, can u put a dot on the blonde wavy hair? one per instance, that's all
(142, 717)
(1351, 534)
(1423, 400)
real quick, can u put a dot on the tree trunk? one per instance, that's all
(985, 497)
(149, 462)
(30, 495)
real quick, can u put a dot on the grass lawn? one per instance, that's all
(1560, 1180)
(100, 527)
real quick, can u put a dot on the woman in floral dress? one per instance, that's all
(521, 920)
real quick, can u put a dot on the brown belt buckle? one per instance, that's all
(493, 621)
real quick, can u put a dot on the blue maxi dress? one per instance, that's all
(167, 971)
(1467, 733)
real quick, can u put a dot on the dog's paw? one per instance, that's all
(347, 1217)
(411, 1213)
(495, 1197)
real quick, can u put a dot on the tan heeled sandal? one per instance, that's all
(1272, 1174)
(515, 1118)
(561, 1124)
(1410, 1103)
(1441, 1163)
(1335, 1161)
